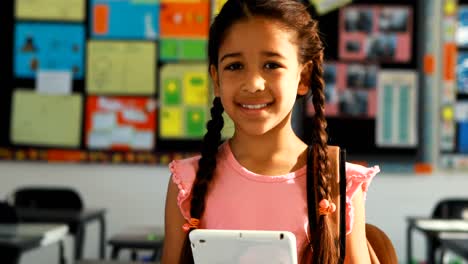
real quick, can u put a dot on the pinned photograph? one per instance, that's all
(376, 33)
(360, 20)
(381, 47)
(393, 20)
(360, 76)
(353, 103)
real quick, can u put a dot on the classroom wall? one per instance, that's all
(134, 195)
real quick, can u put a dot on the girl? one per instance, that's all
(263, 54)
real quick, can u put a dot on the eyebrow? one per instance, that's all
(264, 53)
(230, 55)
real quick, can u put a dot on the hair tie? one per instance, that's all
(326, 207)
(192, 224)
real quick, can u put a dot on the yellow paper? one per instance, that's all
(70, 10)
(121, 68)
(51, 120)
(218, 5)
(196, 88)
(171, 122)
(448, 113)
(450, 7)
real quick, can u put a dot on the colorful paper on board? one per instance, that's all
(463, 137)
(185, 19)
(184, 101)
(325, 6)
(124, 19)
(216, 6)
(176, 49)
(120, 123)
(70, 10)
(462, 72)
(46, 120)
(397, 119)
(48, 47)
(121, 68)
(461, 33)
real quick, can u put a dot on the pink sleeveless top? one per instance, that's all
(241, 199)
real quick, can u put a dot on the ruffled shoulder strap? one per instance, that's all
(183, 175)
(357, 176)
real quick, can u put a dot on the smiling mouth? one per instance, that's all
(254, 106)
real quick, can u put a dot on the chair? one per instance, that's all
(55, 198)
(381, 245)
(49, 198)
(449, 208)
(7, 214)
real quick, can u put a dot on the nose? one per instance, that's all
(254, 82)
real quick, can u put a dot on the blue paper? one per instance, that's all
(48, 47)
(462, 27)
(463, 137)
(462, 72)
(128, 19)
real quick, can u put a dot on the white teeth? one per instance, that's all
(254, 106)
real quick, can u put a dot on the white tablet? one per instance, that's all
(210, 246)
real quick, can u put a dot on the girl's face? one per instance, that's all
(259, 75)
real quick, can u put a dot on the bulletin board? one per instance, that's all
(126, 81)
(453, 91)
(104, 81)
(374, 83)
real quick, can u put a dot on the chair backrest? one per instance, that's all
(381, 245)
(8, 213)
(47, 198)
(451, 208)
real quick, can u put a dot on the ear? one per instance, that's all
(215, 78)
(304, 82)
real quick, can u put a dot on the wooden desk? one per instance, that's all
(433, 228)
(18, 238)
(76, 221)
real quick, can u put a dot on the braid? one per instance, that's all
(205, 172)
(323, 243)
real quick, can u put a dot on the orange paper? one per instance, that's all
(450, 56)
(429, 64)
(101, 19)
(185, 19)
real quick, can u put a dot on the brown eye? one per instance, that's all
(272, 66)
(233, 67)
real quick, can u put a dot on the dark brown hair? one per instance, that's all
(295, 17)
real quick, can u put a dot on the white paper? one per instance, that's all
(143, 140)
(99, 140)
(397, 109)
(122, 135)
(134, 115)
(325, 6)
(461, 111)
(104, 121)
(109, 104)
(54, 82)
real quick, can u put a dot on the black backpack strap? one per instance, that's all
(342, 204)
(311, 199)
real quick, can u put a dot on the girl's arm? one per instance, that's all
(173, 220)
(356, 242)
